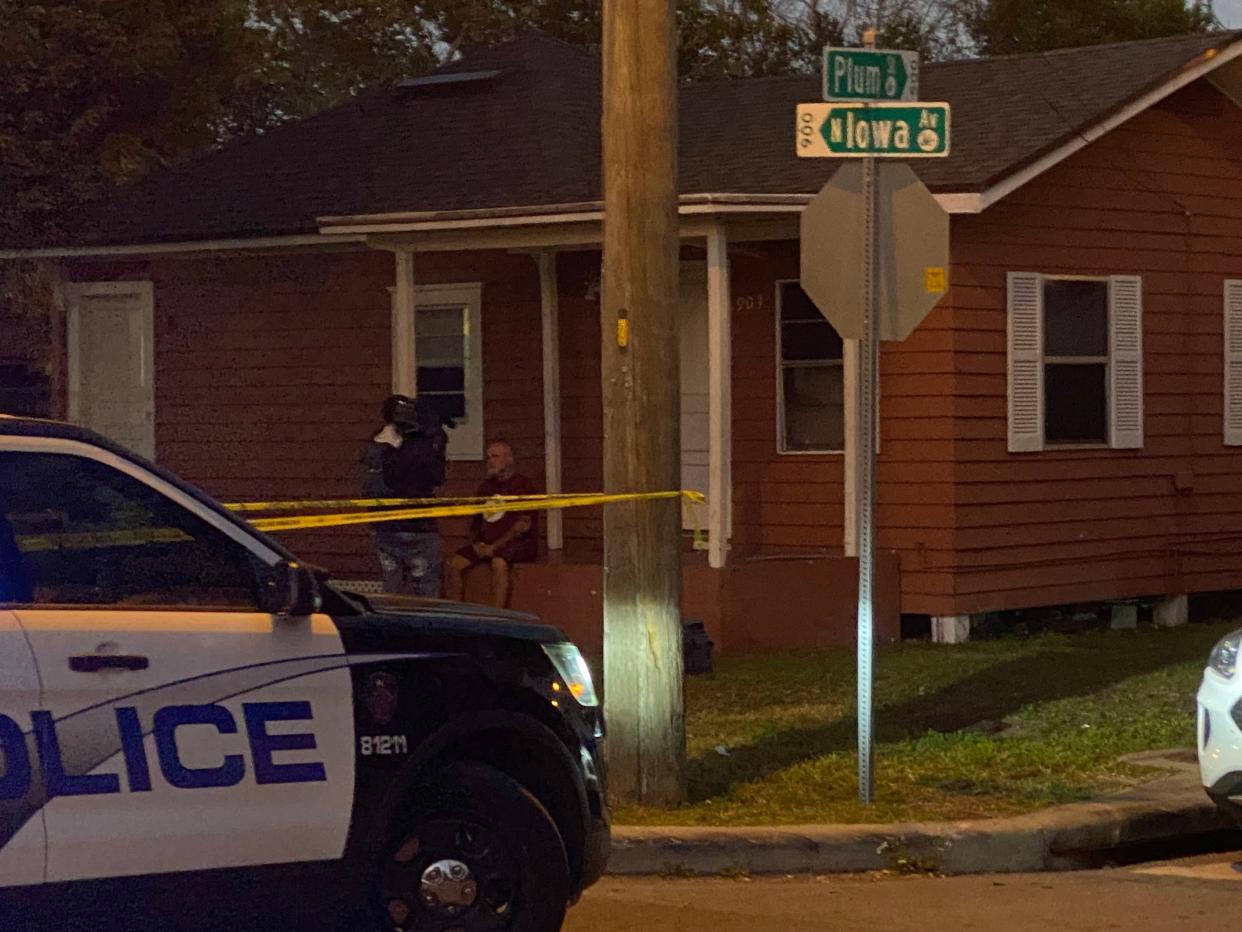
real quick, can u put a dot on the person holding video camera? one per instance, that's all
(406, 459)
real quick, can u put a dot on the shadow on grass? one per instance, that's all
(1061, 672)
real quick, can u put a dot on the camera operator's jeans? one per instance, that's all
(412, 562)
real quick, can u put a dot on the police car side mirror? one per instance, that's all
(289, 589)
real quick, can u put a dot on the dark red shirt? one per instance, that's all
(489, 531)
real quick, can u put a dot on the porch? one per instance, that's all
(755, 604)
(802, 594)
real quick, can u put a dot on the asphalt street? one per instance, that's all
(1193, 894)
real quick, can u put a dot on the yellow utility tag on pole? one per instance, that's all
(623, 332)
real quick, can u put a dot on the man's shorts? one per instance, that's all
(516, 551)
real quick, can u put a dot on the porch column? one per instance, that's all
(719, 399)
(550, 317)
(404, 371)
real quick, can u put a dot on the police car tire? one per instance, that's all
(483, 795)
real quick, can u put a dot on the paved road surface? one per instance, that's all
(1179, 896)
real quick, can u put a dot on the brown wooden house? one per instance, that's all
(1063, 428)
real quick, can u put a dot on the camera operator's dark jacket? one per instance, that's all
(414, 469)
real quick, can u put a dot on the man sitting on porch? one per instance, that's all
(500, 538)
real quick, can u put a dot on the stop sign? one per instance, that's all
(912, 233)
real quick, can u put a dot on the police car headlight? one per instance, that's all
(574, 671)
(1224, 656)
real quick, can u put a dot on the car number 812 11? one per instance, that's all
(383, 745)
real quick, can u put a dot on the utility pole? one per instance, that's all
(642, 432)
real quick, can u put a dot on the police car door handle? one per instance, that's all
(94, 663)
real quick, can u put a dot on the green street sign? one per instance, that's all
(898, 131)
(870, 74)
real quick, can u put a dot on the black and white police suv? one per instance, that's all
(196, 729)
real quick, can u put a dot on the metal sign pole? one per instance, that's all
(857, 121)
(864, 473)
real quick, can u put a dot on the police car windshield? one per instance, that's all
(77, 531)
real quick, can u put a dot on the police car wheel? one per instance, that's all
(479, 853)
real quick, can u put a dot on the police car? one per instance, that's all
(1220, 725)
(181, 700)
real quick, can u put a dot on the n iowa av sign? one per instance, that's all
(883, 130)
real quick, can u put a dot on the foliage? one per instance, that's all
(94, 92)
(1000, 27)
(736, 38)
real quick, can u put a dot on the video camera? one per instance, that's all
(416, 415)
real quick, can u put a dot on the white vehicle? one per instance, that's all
(1220, 726)
(196, 729)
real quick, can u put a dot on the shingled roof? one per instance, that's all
(523, 132)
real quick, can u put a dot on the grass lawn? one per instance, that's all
(1073, 704)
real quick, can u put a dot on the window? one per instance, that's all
(810, 376)
(1075, 362)
(74, 531)
(440, 335)
(447, 361)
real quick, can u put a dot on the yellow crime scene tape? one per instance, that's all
(333, 503)
(395, 509)
(450, 508)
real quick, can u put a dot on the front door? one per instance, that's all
(111, 357)
(180, 727)
(692, 340)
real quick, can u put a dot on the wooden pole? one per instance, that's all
(642, 435)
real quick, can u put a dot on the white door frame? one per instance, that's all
(145, 292)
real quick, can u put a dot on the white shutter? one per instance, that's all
(1125, 343)
(1233, 363)
(1026, 362)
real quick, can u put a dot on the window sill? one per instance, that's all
(810, 452)
(1076, 446)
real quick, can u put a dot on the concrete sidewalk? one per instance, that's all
(1168, 809)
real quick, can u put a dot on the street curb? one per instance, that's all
(1059, 838)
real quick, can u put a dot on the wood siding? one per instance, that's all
(582, 412)
(1160, 197)
(270, 371)
(782, 503)
(794, 503)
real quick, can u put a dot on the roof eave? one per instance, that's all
(689, 205)
(293, 241)
(360, 228)
(1020, 173)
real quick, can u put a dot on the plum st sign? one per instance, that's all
(870, 74)
(879, 130)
